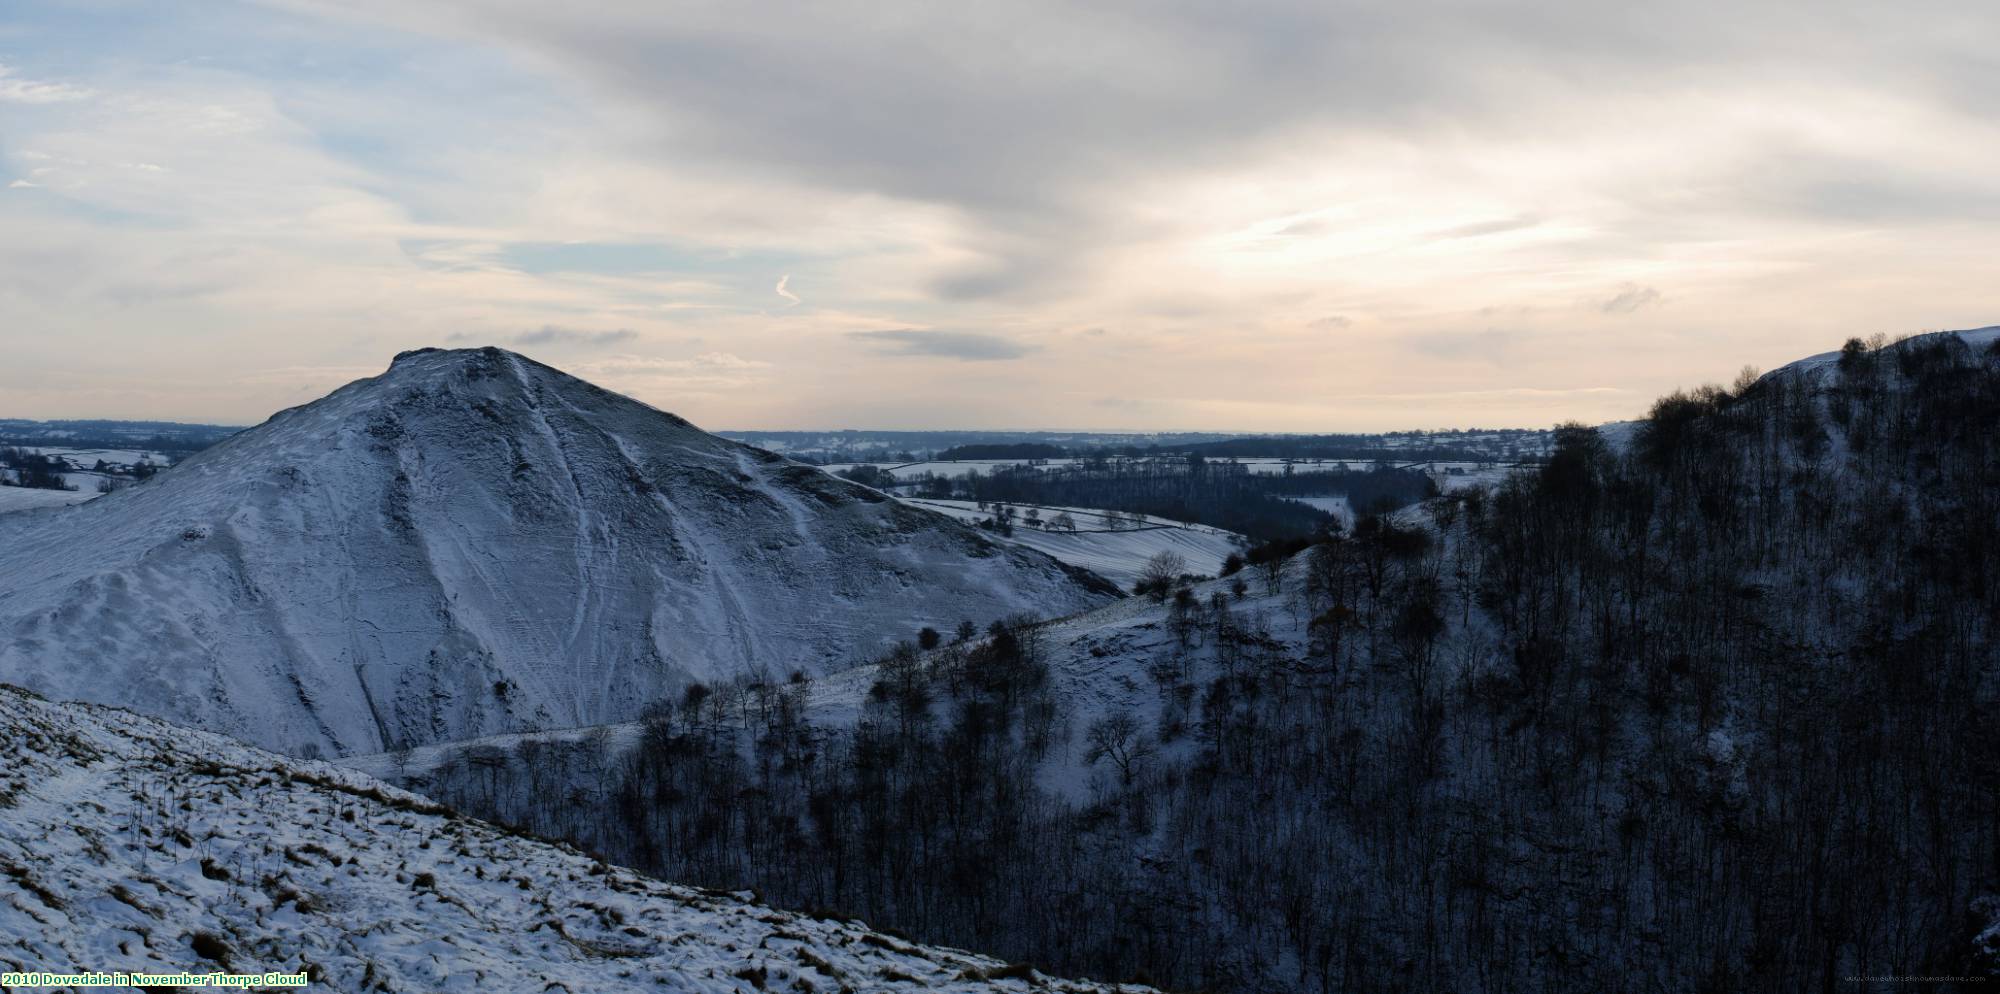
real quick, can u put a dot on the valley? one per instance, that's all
(879, 497)
(1281, 764)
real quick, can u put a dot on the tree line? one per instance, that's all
(1222, 495)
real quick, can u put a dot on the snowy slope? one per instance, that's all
(470, 544)
(1099, 663)
(1618, 434)
(1116, 555)
(128, 844)
(1340, 507)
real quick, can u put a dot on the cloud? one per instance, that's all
(706, 362)
(549, 334)
(1630, 297)
(970, 346)
(1309, 228)
(16, 90)
(668, 380)
(1508, 393)
(1491, 345)
(787, 294)
(1497, 226)
(1010, 271)
(306, 380)
(1216, 184)
(1072, 109)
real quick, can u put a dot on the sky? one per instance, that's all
(1260, 215)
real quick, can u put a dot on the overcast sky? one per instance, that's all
(1308, 215)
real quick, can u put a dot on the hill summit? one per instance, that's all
(475, 543)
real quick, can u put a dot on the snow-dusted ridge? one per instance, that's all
(1818, 367)
(470, 544)
(128, 844)
(1814, 370)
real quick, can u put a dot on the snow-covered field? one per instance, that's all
(26, 498)
(1258, 465)
(82, 464)
(1453, 477)
(86, 458)
(1336, 506)
(1118, 555)
(948, 469)
(131, 845)
(1276, 467)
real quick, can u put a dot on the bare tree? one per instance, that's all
(1160, 574)
(1117, 738)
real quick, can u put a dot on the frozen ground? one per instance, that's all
(128, 844)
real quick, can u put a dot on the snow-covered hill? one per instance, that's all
(1819, 369)
(473, 543)
(131, 845)
(1815, 372)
